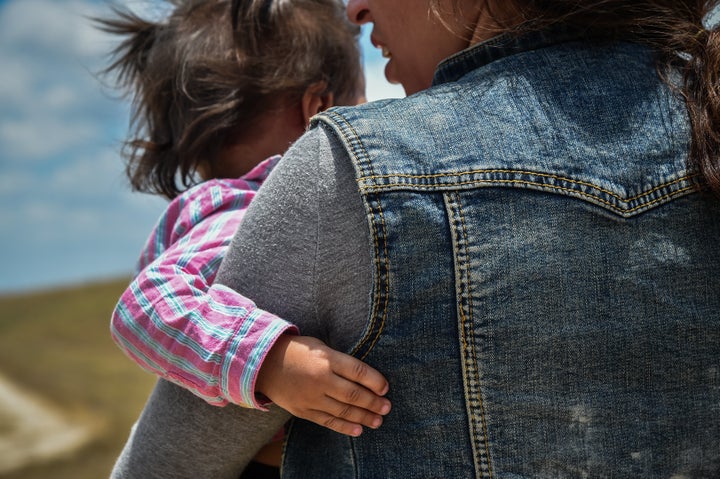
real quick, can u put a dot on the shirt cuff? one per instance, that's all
(244, 358)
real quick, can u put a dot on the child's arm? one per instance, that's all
(175, 323)
(315, 382)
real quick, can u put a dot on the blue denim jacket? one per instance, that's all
(546, 298)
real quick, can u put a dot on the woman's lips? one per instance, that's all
(386, 53)
(383, 49)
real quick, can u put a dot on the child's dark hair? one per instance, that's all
(201, 78)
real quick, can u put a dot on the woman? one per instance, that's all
(535, 227)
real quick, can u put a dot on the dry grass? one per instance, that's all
(57, 345)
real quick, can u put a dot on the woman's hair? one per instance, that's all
(200, 79)
(675, 29)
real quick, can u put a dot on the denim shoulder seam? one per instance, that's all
(623, 206)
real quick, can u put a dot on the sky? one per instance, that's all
(67, 215)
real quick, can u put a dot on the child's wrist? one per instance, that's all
(271, 364)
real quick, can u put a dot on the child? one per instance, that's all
(221, 104)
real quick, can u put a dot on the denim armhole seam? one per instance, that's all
(378, 230)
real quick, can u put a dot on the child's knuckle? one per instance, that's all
(353, 395)
(360, 370)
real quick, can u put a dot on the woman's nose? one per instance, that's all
(358, 11)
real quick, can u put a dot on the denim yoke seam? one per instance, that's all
(381, 286)
(621, 206)
(470, 365)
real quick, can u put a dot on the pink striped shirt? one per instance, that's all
(173, 321)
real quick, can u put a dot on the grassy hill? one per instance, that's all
(56, 344)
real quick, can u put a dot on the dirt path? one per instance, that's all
(31, 432)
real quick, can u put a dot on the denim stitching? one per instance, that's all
(497, 48)
(532, 173)
(283, 453)
(481, 452)
(617, 209)
(481, 404)
(383, 279)
(379, 281)
(353, 454)
(382, 265)
(335, 123)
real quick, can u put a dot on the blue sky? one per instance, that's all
(66, 212)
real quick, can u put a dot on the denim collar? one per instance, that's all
(501, 46)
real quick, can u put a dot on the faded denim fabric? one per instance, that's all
(546, 295)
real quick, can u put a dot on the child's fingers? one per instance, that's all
(352, 394)
(351, 413)
(357, 371)
(334, 423)
(340, 416)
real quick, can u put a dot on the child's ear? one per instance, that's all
(316, 99)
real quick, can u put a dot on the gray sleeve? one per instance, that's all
(180, 436)
(302, 252)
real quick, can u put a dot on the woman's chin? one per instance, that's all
(410, 85)
(390, 73)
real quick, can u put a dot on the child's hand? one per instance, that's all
(313, 381)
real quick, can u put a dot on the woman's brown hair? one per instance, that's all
(675, 29)
(197, 84)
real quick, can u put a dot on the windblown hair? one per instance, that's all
(675, 29)
(201, 78)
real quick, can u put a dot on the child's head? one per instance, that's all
(202, 79)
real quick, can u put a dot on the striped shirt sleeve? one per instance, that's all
(173, 321)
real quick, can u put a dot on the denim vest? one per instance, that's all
(546, 298)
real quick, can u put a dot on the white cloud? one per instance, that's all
(18, 77)
(87, 196)
(52, 25)
(52, 221)
(93, 173)
(37, 23)
(30, 138)
(151, 9)
(12, 184)
(54, 218)
(60, 97)
(50, 100)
